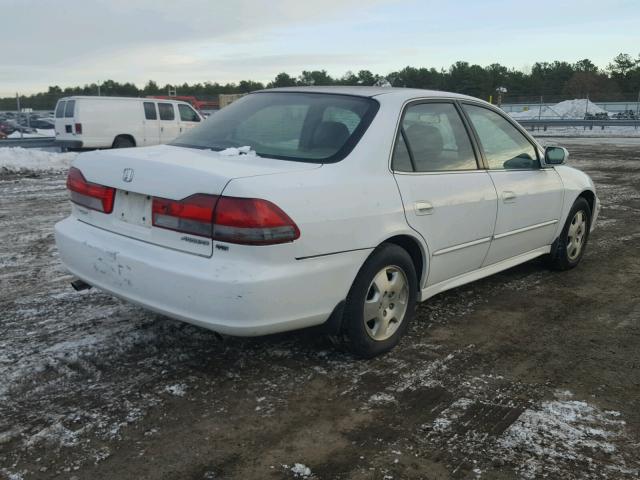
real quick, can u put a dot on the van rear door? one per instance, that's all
(151, 124)
(59, 117)
(65, 120)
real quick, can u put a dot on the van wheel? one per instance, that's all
(381, 302)
(123, 142)
(568, 249)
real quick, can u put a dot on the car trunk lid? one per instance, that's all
(168, 172)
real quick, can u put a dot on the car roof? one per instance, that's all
(401, 93)
(104, 97)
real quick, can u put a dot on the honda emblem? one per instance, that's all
(127, 174)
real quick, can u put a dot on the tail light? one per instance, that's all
(252, 221)
(90, 195)
(248, 221)
(79, 128)
(193, 214)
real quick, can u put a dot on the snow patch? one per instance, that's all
(560, 431)
(177, 390)
(382, 398)
(300, 470)
(569, 109)
(234, 152)
(17, 160)
(39, 133)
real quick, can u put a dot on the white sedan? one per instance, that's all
(341, 206)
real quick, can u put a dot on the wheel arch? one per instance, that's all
(128, 136)
(590, 197)
(416, 251)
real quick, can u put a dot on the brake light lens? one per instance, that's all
(247, 221)
(90, 195)
(192, 215)
(79, 128)
(252, 221)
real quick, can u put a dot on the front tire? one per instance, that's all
(569, 248)
(381, 303)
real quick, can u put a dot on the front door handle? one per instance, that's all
(508, 197)
(423, 208)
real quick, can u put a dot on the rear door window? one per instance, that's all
(150, 111)
(166, 111)
(70, 107)
(436, 140)
(187, 114)
(60, 109)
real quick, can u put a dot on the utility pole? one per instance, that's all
(540, 109)
(501, 91)
(19, 126)
(586, 106)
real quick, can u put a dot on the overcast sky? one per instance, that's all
(74, 42)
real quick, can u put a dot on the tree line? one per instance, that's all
(549, 81)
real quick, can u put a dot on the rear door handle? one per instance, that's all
(423, 208)
(508, 197)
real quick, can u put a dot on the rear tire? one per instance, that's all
(569, 247)
(381, 303)
(123, 142)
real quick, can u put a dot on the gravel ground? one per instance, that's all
(527, 374)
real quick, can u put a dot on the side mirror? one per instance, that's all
(555, 155)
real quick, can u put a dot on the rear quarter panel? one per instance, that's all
(349, 205)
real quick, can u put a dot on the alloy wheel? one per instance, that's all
(385, 304)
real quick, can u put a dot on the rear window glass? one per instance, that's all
(150, 111)
(68, 111)
(60, 109)
(166, 111)
(309, 127)
(188, 114)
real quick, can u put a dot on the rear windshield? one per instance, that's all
(68, 111)
(307, 127)
(60, 109)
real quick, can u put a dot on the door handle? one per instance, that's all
(508, 197)
(423, 208)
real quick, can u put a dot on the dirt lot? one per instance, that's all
(527, 374)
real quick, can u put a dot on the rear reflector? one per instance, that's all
(90, 195)
(248, 221)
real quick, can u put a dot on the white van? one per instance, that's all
(117, 122)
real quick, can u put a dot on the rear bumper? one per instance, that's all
(244, 298)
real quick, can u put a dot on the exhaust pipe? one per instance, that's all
(79, 285)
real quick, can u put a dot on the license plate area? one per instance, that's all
(133, 208)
